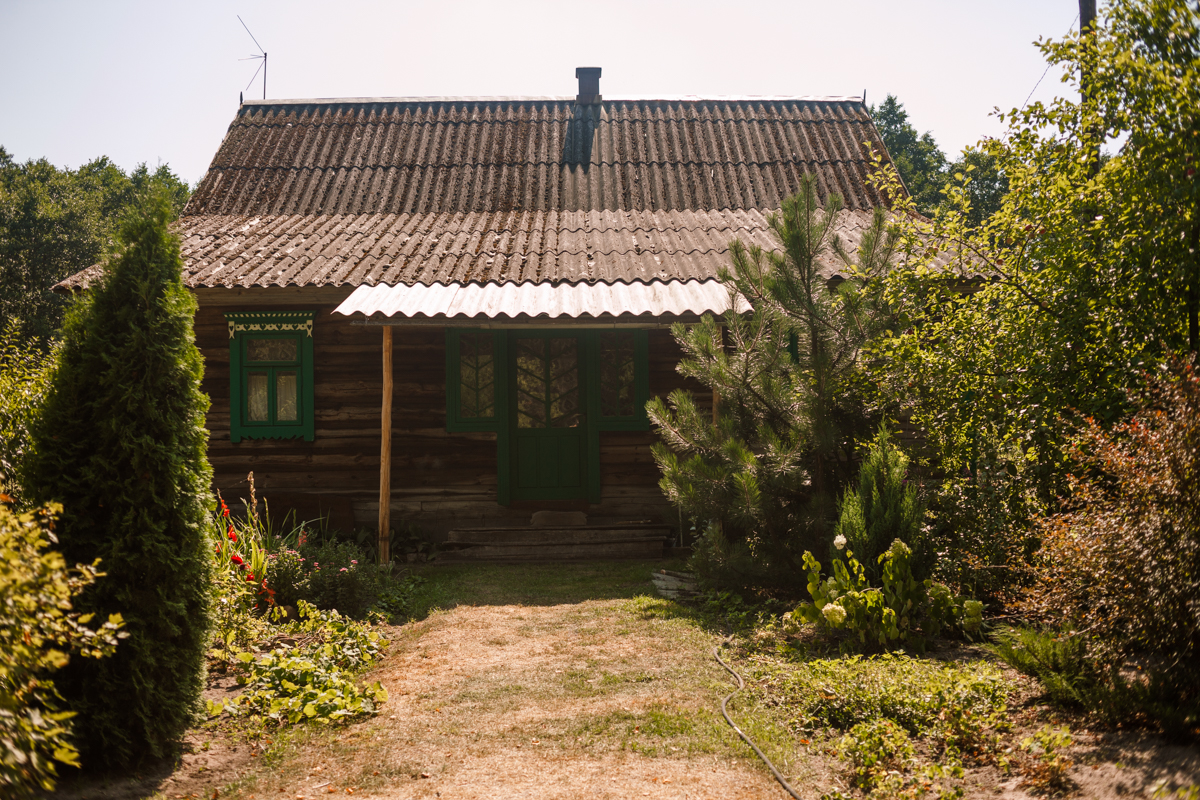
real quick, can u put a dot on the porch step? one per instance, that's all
(579, 543)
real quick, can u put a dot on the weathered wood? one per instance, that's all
(385, 452)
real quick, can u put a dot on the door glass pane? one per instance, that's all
(547, 383)
(286, 407)
(256, 397)
(531, 383)
(476, 369)
(563, 382)
(271, 349)
(616, 374)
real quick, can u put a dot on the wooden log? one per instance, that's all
(385, 451)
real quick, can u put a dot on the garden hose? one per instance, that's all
(725, 713)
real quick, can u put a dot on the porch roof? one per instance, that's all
(484, 302)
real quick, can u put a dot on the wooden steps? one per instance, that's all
(574, 543)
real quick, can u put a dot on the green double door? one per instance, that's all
(548, 422)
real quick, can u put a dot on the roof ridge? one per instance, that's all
(650, 98)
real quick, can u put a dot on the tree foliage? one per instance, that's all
(55, 222)
(121, 444)
(1081, 280)
(926, 170)
(792, 401)
(24, 379)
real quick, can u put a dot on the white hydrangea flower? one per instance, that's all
(840, 542)
(834, 614)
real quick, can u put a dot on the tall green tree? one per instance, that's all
(1083, 279)
(121, 444)
(55, 222)
(769, 463)
(921, 163)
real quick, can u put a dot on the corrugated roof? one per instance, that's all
(445, 190)
(478, 155)
(604, 246)
(531, 301)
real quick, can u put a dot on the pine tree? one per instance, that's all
(792, 397)
(121, 444)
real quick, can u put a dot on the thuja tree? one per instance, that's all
(765, 468)
(121, 444)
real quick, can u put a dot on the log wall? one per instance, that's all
(439, 479)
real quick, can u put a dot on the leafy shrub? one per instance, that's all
(882, 509)
(314, 680)
(981, 538)
(38, 631)
(874, 749)
(25, 371)
(1048, 775)
(1122, 560)
(904, 612)
(338, 579)
(913, 693)
(121, 443)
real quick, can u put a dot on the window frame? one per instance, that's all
(243, 326)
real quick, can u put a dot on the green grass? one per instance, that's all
(454, 585)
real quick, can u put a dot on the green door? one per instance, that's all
(549, 434)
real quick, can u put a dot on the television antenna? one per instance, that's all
(261, 58)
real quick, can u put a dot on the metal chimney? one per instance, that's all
(589, 85)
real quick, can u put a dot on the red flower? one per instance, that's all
(235, 558)
(232, 535)
(224, 508)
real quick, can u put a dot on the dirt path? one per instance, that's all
(604, 698)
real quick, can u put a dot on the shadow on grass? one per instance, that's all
(451, 585)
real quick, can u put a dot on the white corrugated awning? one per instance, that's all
(551, 301)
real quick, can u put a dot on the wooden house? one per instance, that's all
(451, 311)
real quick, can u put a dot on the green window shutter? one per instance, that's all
(271, 375)
(477, 392)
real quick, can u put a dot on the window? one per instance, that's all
(271, 375)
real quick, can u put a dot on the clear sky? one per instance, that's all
(159, 81)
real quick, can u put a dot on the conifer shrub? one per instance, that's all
(121, 444)
(882, 509)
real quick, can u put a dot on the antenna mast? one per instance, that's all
(262, 55)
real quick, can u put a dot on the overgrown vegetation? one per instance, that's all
(24, 379)
(39, 633)
(121, 444)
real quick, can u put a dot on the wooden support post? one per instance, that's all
(385, 452)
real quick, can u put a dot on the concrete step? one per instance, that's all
(555, 544)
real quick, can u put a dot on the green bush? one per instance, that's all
(904, 612)
(911, 692)
(1122, 560)
(38, 631)
(25, 371)
(313, 682)
(1058, 659)
(874, 749)
(882, 509)
(121, 443)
